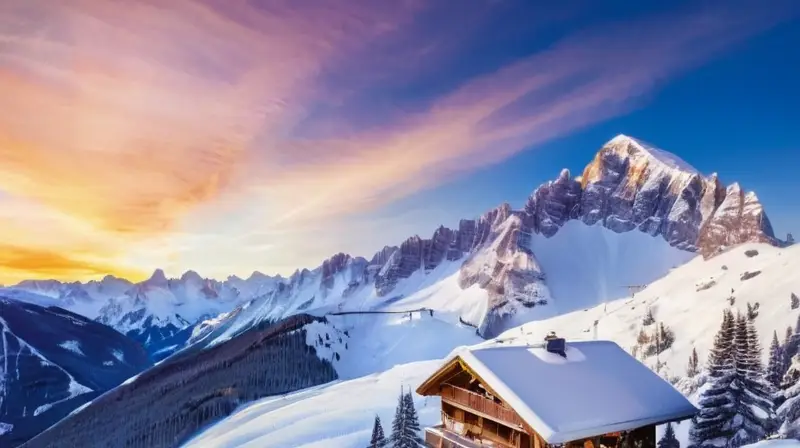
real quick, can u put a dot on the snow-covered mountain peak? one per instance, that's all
(640, 152)
(191, 277)
(157, 279)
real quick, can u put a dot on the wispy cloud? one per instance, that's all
(228, 118)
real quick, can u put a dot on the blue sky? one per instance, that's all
(736, 115)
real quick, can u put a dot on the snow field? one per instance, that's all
(341, 414)
(338, 414)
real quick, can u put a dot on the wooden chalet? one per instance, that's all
(587, 394)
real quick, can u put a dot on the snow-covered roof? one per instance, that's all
(597, 389)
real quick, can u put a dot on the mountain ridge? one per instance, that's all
(629, 185)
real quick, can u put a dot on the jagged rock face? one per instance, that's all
(739, 219)
(553, 204)
(630, 185)
(508, 271)
(436, 249)
(465, 238)
(333, 266)
(403, 262)
(382, 256)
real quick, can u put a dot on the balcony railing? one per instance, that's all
(481, 404)
(432, 438)
(439, 437)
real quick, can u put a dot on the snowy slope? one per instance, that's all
(584, 265)
(341, 414)
(587, 265)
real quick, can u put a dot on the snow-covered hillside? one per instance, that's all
(52, 361)
(689, 300)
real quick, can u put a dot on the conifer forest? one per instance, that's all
(167, 404)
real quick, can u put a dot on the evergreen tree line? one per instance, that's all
(737, 406)
(169, 403)
(656, 341)
(405, 427)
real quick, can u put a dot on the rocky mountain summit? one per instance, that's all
(631, 185)
(628, 186)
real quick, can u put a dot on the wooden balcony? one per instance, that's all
(480, 405)
(433, 438)
(439, 437)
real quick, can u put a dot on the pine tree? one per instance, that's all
(795, 301)
(668, 440)
(752, 311)
(775, 363)
(788, 350)
(643, 338)
(666, 337)
(412, 429)
(648, 319)
(754, 407)
(378, 439)
(711, 425)
(789, 410)
(692, 369)
(399, 422)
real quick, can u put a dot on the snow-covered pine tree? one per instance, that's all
(755, 414)
(711, 425)
(648, 319)
(752, 311)
(668, 440)
(789, 410)
(775, 363)
(378, 439)
(693, 368)
(795, 301)
(789, 350)
(411, 434)
(399, 422)
(643, 338)
(666, 337)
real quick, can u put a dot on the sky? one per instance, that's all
(233, 136)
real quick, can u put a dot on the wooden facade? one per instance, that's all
(473, 415)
